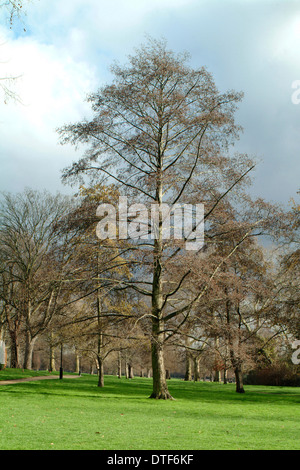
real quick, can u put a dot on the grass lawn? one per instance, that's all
(15, 374)
(74, 414)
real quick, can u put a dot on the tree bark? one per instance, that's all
(239, 379)
(188, 367)
(160, 388)
(130, 372)
(100, 338)
(119, 365)
(196, 369)
(217, 376)
(77, 366)
(100, 372)
(29, 345)
(52, 366)
(14, 351)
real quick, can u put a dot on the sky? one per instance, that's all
(61, 50)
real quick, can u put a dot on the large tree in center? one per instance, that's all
(161, 131)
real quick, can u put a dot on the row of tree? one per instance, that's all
(161, 134)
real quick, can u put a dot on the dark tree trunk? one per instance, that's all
(14, 351)
(217, 376)
(239, 380)
(130, 371)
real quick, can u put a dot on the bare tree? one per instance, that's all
(161, 131)
(32, 267)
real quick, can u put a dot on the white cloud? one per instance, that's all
(52, 88)
(248, 45)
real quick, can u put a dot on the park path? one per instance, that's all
(29, 379)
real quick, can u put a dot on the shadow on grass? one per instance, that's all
(140, 389)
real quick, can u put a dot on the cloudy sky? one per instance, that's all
(248, 45)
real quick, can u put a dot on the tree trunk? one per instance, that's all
(196, 369)
(130, 372)
(239, 380)
(77, 366)
(100, 340)
(100, 372)
(119, 365)
(188, 367)
(14, 351)
(160, 388)
(217, 376)
(52, 366)
(29, 345)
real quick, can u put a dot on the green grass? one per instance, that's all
(15, 374)
(74, 414)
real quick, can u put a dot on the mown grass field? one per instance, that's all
(74, 414)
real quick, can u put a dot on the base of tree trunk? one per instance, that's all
(161, 396)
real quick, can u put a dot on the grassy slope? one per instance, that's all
(15, 374)
(76, 414)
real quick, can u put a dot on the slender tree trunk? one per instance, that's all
(235, 360)
(52, 366)
(188, 367)
(217, 374)
(14, 350)
(119, 365)
(100, 338)
(77, 366)
(196, 369)
(99, 355)
(100, 372)
(160, 388)
(239, 379)
(29, 345)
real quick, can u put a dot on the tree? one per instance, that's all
(94, 271)
(289, 274)
(32, 265)
(160, 131)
